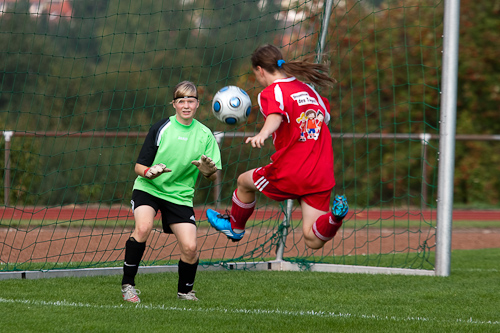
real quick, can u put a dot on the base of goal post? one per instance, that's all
(276, 265)
(329, 268)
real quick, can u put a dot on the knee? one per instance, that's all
(190, 251)
(313, 242)
(246, 193)
(241, 182)
(141, 233)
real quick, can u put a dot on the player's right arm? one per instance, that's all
(140, 169)
(272, 123)
(151, 172)
(144, 166)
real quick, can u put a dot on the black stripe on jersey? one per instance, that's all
(150, 146)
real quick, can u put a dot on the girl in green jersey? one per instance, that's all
(174, 152)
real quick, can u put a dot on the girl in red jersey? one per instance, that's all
(302, 167)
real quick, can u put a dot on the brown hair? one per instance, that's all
(185, 89)
(270, 58)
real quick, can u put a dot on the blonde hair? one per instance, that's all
(185, 89)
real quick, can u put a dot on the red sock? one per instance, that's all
(240, 212)
(326, 226)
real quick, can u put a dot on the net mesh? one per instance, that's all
(81, 82)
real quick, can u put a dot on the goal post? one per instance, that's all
(447, 139)
(81, 87)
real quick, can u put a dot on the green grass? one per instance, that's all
(243, 301)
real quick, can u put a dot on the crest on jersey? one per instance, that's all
(310, 123)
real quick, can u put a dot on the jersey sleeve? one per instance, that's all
(327, 107)
(271, 101)
(150, 146)
(212, 150)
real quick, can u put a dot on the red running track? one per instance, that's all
(89, 213)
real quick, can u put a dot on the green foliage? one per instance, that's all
(477, 173)
(23, 179)
(386, 60)
(111, 69)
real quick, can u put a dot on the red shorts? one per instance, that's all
(319, 200)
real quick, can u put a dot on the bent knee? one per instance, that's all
(241, 181)
(141, 234)
(189, 250)
(313, 242)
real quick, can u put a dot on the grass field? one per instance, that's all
(265, 301)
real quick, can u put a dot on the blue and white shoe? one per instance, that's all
(222, 223)
(340, 206)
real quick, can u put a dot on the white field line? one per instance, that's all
(476, 270)
(309, 313)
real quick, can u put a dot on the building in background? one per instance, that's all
(54, 9)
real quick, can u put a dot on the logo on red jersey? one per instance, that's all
(303, 98)
(310, 123)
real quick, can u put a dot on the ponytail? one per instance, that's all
(270, 58)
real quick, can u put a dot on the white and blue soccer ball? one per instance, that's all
(231, 105)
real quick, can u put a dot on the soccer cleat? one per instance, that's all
(340, 206)
(130, 293)
(223, 224)
(190, 296)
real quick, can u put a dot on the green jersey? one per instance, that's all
(176, 145)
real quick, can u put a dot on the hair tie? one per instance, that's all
(281, 62)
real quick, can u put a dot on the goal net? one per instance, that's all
(81, 82)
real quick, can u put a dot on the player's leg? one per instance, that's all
(309, 217)
(243, 205)
(243, 201)
(321, 226)
(188, 263)
(134, 250)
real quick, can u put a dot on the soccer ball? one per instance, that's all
(231, 105)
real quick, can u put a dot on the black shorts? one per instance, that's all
(170, 212)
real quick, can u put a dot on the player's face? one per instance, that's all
(185, 109)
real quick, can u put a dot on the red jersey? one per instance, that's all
(303, 162)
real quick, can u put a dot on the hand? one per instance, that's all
(257, 141)
(156, 170)
(206, 166)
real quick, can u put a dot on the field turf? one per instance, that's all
(265, 301)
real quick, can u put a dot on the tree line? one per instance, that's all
(111, 69)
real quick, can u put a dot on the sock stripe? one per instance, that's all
(242, 204)
(317, 234)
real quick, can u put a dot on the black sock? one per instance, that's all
(133, 255)
(187, 273)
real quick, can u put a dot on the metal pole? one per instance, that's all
(219, 137)
(425, 140)
(324, 30)
(286, 224)
(6, 190)
(448, 121)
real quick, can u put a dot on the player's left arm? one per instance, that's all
(207, 167)
(210, 161)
